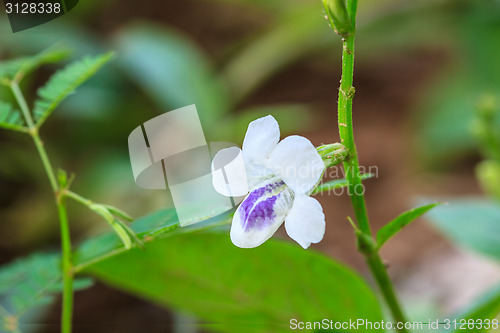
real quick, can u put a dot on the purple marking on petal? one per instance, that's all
(257, 214)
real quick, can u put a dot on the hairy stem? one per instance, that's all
(351, 164)
(67, 309)
(351, 167)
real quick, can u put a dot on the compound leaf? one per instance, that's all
(64, 82)
(11, 118)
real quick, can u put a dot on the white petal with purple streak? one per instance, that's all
(305, 223)
(261, 213)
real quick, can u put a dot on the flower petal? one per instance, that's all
(261, 138)
(261, 213)
(305, 223)
(228, 172)
(257, 173)
(297, 162)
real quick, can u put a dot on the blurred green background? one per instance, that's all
(422, 69)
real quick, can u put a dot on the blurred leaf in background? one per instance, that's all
(449, 104)
(472, 223)
(171, 70)
(486, 307)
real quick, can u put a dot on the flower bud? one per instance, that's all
(336, 13)
(332, 154)
(63, 179)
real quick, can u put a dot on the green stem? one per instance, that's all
(67, 266)
(351, 167)
(33, 131)
(351, 164)
(384, 282)
(45, 161)
(22, 104)
(61, 208)
(78, 198)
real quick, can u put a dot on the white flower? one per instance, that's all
(280, 177)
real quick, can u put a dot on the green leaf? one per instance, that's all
(207, 275)
(444, 119)
(17, 69)
(24, 282)
(11, 118)
(240, 290)
(335, 184)
(396, 225)
(448, 108)
(160, 224)
(28, 285)
(486, 307)
(171, 70)
(473, 223)
(64, 82)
